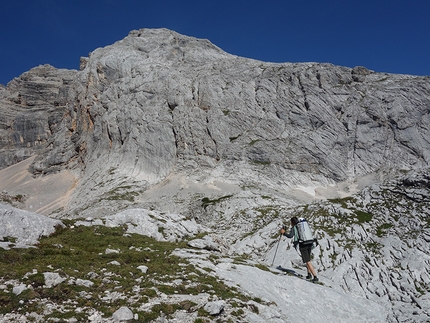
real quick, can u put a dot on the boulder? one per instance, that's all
(123, 314)
(52, 279)
(26, 227)
(214, 308)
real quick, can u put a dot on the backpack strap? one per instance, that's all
(295, 237)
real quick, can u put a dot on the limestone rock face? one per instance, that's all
(159, 103)
(32, 108)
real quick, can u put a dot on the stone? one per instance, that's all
(111, 251)
(96, 317)
(27, 227)
(155, 224)
(52, 279)
(123, 314)
(114, 263)
(205, 243)
(92, 275)
(214, 308)
(17, 290)
(84, 282)
(143, 269)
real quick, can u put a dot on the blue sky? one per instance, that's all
(384, 35)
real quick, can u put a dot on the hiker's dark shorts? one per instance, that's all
(306, 251)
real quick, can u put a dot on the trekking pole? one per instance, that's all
(276, 250)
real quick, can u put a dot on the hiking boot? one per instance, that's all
(309, 276)
(315, 279)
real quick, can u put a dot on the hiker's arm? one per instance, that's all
(288, 235)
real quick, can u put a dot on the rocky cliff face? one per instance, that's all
(158, 103)
(32, 108)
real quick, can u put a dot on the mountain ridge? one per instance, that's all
(313, 122)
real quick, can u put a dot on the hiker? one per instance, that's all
(304, 247)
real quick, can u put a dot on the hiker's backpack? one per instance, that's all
(304, 232)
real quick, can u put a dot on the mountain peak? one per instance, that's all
(158, 46)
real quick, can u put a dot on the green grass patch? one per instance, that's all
(261, 162)
(363, 216)
(206, 201)
(79, 252)
(262, 267)
(373, 247)
(382, 229)
(12, 199)
(121, 193)
(343, 202)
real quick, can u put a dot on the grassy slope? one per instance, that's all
(80, 253)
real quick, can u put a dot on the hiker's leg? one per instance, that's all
(311, 269)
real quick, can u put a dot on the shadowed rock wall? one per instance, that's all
(32, 108)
